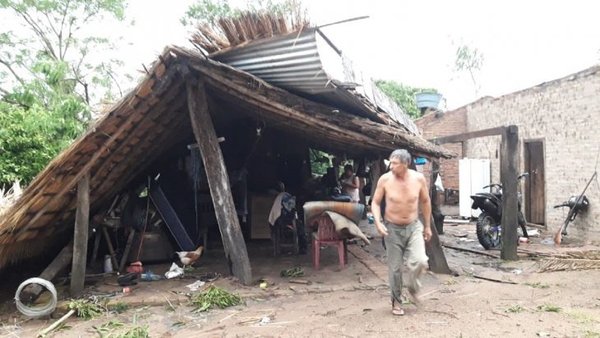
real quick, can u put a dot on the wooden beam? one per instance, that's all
(508, 176)
(218, 182)
(467, 136)
(60, 262)
(433, 248)
(80, 238)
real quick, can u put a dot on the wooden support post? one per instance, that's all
(508, 176)
(218, 182)
(80, 238)
(433, 248)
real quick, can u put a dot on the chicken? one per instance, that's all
(190, 257)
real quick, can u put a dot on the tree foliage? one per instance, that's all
(209, 11)
(54, 43)
(31, 137)
(403, 95)
(469, 59)
(48, 76)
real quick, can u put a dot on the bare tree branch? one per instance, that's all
(39, 32)
(14, 73)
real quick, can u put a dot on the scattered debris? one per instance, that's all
(56, 324)
(264, 320)
(293, 272)
(174, 271)
(300, 281)
(449, 246)
(568, 264)
(214, 297)
(494, 280)
(515, 309)
(149, 276)
(85, 308)
(549, 308)
(195, 285)
(37, 311)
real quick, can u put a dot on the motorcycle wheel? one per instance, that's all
(488, 232)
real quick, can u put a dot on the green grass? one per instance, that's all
(214, 297)
(538, 285)
(119, 307)
(136, 332)
(86, 309)
(591, 334)
(549, 308)
(515, 309)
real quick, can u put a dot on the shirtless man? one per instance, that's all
(404, 235)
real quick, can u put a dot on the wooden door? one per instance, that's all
(534, 185)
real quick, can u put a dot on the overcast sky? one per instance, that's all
(524, 42)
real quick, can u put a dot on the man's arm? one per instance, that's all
(425, 203)
(376, 205)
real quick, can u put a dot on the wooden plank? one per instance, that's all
(433, 248)
(80, 238)
(508, 175)
(467, 136)
(218, 182)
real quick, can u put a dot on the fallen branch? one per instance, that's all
(56, 323)
(470, 250)
(494, 280)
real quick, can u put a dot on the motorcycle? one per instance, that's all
(489, 229)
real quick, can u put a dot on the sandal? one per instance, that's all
(396, 310)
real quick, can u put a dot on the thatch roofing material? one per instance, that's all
(150, 120)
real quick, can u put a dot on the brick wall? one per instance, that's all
(565, 115)
(449, 123)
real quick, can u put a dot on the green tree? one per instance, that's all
(54, 42)
(48, 76)
(31, 137)
(403, 95)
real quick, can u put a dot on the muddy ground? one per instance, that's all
(353, 301)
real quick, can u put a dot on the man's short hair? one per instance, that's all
(401, 154)
(348, 166)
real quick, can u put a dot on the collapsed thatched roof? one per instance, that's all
(152, 118)
(248, 26)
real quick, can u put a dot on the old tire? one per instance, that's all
(488, 232)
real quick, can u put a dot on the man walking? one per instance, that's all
(405, 192)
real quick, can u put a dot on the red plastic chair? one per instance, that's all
(327, 236)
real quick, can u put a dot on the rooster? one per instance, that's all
(189, 257)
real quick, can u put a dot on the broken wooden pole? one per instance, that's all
(508, 175)
(433, 248)
(80, 237)
(218, 182)
(60, 262)
(435, 252)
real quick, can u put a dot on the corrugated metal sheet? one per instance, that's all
(307, 63)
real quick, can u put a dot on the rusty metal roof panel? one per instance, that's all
(308, 64)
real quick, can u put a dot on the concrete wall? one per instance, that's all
(565, 114)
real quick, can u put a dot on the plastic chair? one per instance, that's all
(327, 236)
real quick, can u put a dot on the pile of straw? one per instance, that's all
(246, 27)
(9, 196)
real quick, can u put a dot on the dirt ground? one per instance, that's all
(353, 301)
